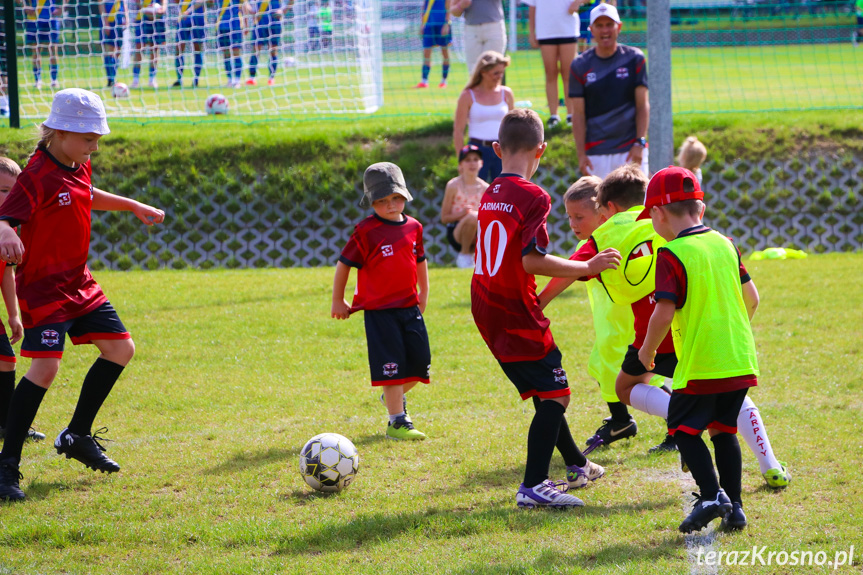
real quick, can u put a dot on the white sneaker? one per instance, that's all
(464, 261)
(546, 494)
(152, 83)
(135, 83)
(55, 84)
(578, 477)
(38, 84)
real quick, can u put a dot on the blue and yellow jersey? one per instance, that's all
(434, 13)
(267, 11)
(146, 4)
(114, 10)
(197, 8)
(229, 14)
(41, 10)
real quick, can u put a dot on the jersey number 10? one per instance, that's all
(488, 252)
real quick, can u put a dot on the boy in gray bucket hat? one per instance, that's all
(387, 250)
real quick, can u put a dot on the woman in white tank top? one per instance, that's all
(481, 106)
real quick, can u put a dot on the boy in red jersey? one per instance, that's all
(51, 201)
(387, 250)
(9, 171)
(512, 240)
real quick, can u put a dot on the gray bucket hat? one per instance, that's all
(381, 180)
(77, 110)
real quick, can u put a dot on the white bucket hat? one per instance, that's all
(77, 110)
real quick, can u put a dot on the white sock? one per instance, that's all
(650, 399)
(751, 428)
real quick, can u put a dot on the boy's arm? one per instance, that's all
(547, 265)
(553, 288)
(7, 287)
(423, 284)
(750, 298)
(658, 327)
(341, 308)
(108, 202)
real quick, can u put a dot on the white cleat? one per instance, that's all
(546, 494)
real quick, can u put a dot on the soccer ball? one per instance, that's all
(329, 462)
(290, 61)
(120, 90)
(216, 104)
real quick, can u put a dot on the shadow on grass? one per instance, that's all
(245, 460)
(38, 490)
(446, 524)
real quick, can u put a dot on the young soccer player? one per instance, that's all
(387, 250)
(691, 155)
(52, 199)
(229, 30)
(460, 201)
(435, 32)
(191, 27)
(612, 321)
(705, 296)
(112, 14)
(4, 97)
(267, 33)
(512, 242)
(9, 171)
(149, 37)
(41, 32)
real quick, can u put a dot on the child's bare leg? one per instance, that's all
(394, 396)
(465, 233)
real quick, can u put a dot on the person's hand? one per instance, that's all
(423, 302)
(11, 247)
(534, 43)
(341, 309)
(607, 259)
(646, 358)
(444, 30)
(148, 214)
(585, 166)
(636, 153)
(17, 329)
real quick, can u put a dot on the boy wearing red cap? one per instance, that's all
(707, 300)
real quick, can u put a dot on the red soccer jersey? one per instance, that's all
(512, 215)
(52, 204)
(386, 254)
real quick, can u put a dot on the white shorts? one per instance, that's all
(607, 163)
(481, 37)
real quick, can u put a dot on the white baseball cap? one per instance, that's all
(77, 110)
(604, 10)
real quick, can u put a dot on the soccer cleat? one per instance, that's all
(665, 446)
(569, 120)
(32, 434)
(553, 122)
(152, 83)
(4, 112)
(442, 84)
(403, 428)
(86, 449)
(10, 489)
(422, 84)
(546, 494)
(778, 477)
(38, 85)
(609, 432)
(195, 83)
(577, 477)
(55, 84)
(703, 512)
(251, 82)
(177, 84)
(135, 83)
(736, 519)
(271, 82)
(110, 83)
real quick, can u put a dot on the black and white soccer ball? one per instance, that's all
(329, 462)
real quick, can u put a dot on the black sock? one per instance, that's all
(619, 412)
(729, 464)
(697, 457)
(7, 388)
(22, 411)
(541, 441)
(572, 455)
(97, 385)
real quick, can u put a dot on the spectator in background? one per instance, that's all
(553, 27)
(485, 29)
(436, 31)
(461, 204)
(610, 109)
(858, 6)
(44, 20)
(691, 155)
(481, 107)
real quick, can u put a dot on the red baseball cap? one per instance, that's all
(666, 187)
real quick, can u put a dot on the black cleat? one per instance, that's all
(177, 84)
(32, 434)
(736, 519)
(86, 449)
(609, 432)
(9, 478)
(110, 83)
(668, 444)
(703, 512)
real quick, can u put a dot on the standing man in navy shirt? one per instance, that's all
(608, 85)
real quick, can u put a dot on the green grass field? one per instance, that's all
(705, 80)
(236, 370)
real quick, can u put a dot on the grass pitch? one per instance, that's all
(236, 370)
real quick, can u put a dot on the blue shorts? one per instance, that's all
(268, 34)
(585, 31)
(39, 33)
(543, 378)
(150, 33)
(860, 21)
(230, 38)
(398, 345)
(112, 34)
(48, 340)
(432, 36)
(692, 414)
(6, 352)
(192, 29)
